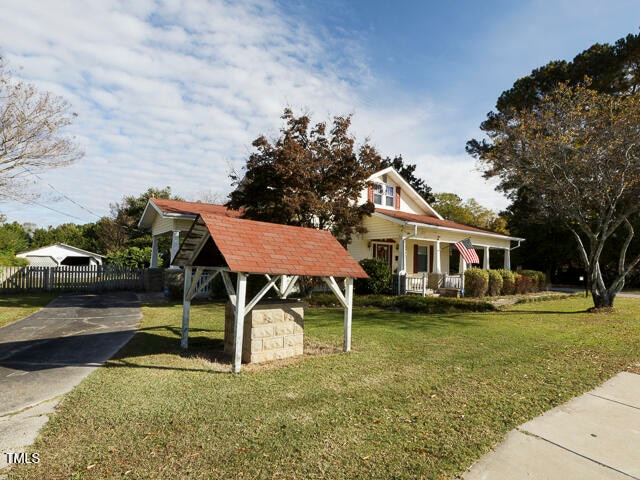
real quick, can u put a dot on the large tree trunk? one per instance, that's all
(602, 298)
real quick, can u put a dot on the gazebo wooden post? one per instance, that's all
(238, 326)
(186, 306)
(348, 313)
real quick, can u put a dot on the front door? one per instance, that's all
(384, 251)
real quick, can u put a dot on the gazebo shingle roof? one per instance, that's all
(267, 248)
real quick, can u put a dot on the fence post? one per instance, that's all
(424, 284)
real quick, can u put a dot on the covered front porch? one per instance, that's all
(425, 263)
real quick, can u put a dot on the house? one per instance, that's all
(61, 254)
(404, 230)
(416, 242)
(171, 217)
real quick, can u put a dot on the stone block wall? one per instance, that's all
(272, 330)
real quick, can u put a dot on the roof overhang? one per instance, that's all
(446, 229)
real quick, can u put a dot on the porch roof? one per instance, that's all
(265, 248)
(427, 221)
(179, 209)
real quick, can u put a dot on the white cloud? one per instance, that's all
(173, 93)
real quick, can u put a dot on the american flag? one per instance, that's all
(465, 247)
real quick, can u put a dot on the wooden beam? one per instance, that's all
(238, 325)
(333, 285)
(275, 287)
(229, 287)
(186, 308)
(261, 294)
(348, 313)
(193, 285)
(290, 285)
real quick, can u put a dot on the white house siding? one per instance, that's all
(378, 228)
(162, 225)
(358, 248)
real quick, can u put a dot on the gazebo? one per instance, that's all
(220, 245)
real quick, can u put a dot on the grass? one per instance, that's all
(15, 307)
(420, 396)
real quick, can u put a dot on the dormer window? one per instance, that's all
(384, 194)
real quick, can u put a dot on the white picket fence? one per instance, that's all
(70, 279)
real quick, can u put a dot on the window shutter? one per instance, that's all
(370, 192)
(415, 258)
(397, 198)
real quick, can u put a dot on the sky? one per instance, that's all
(172, 93)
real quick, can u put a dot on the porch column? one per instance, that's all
(507, 259)
(485, 260)
(462, 265)
(437, 267)
(402, 263)
(154, 252)
(175, 246)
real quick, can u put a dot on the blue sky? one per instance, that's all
(173, 93)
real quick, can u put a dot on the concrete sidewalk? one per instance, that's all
(594, 436)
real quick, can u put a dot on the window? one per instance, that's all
(422, 257)
(384, 251)
(384, 194)
(390, 196)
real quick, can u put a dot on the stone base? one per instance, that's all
(272, 330)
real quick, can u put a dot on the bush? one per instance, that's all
(538, 279)
(495, 283)
(406, 303)
(508, 282)
(379, 280)
(8, 259)
(476, 282)
(524, 283)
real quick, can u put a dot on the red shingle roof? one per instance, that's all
(259, 247)
(192, 208)
(413, 217)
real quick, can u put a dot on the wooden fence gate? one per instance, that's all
(85, 279)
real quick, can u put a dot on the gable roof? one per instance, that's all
(57, 247)
(406, 189)
(249, 246)
(179, 209)
(426, 220)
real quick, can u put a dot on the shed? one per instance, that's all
(60, 254)
(222, 245)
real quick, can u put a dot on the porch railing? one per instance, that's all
(425, 283)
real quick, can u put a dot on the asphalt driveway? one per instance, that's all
(49, 352)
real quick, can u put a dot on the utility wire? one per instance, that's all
(62, 194)
(33, 202)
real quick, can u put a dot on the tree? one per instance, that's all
(407, 172)
(121, 230)
(613, 69)
(577, 152)
(468, 212)
(307, 178)
(31, 131)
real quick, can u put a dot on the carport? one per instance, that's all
(220, 245)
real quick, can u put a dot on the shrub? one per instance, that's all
(495, 283)
(8, 259)
(524, 283)
(538, 279)
(379, 280)
(476, 282)
(508, 282)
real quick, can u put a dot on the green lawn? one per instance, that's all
(421, 396)
(15, 307)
